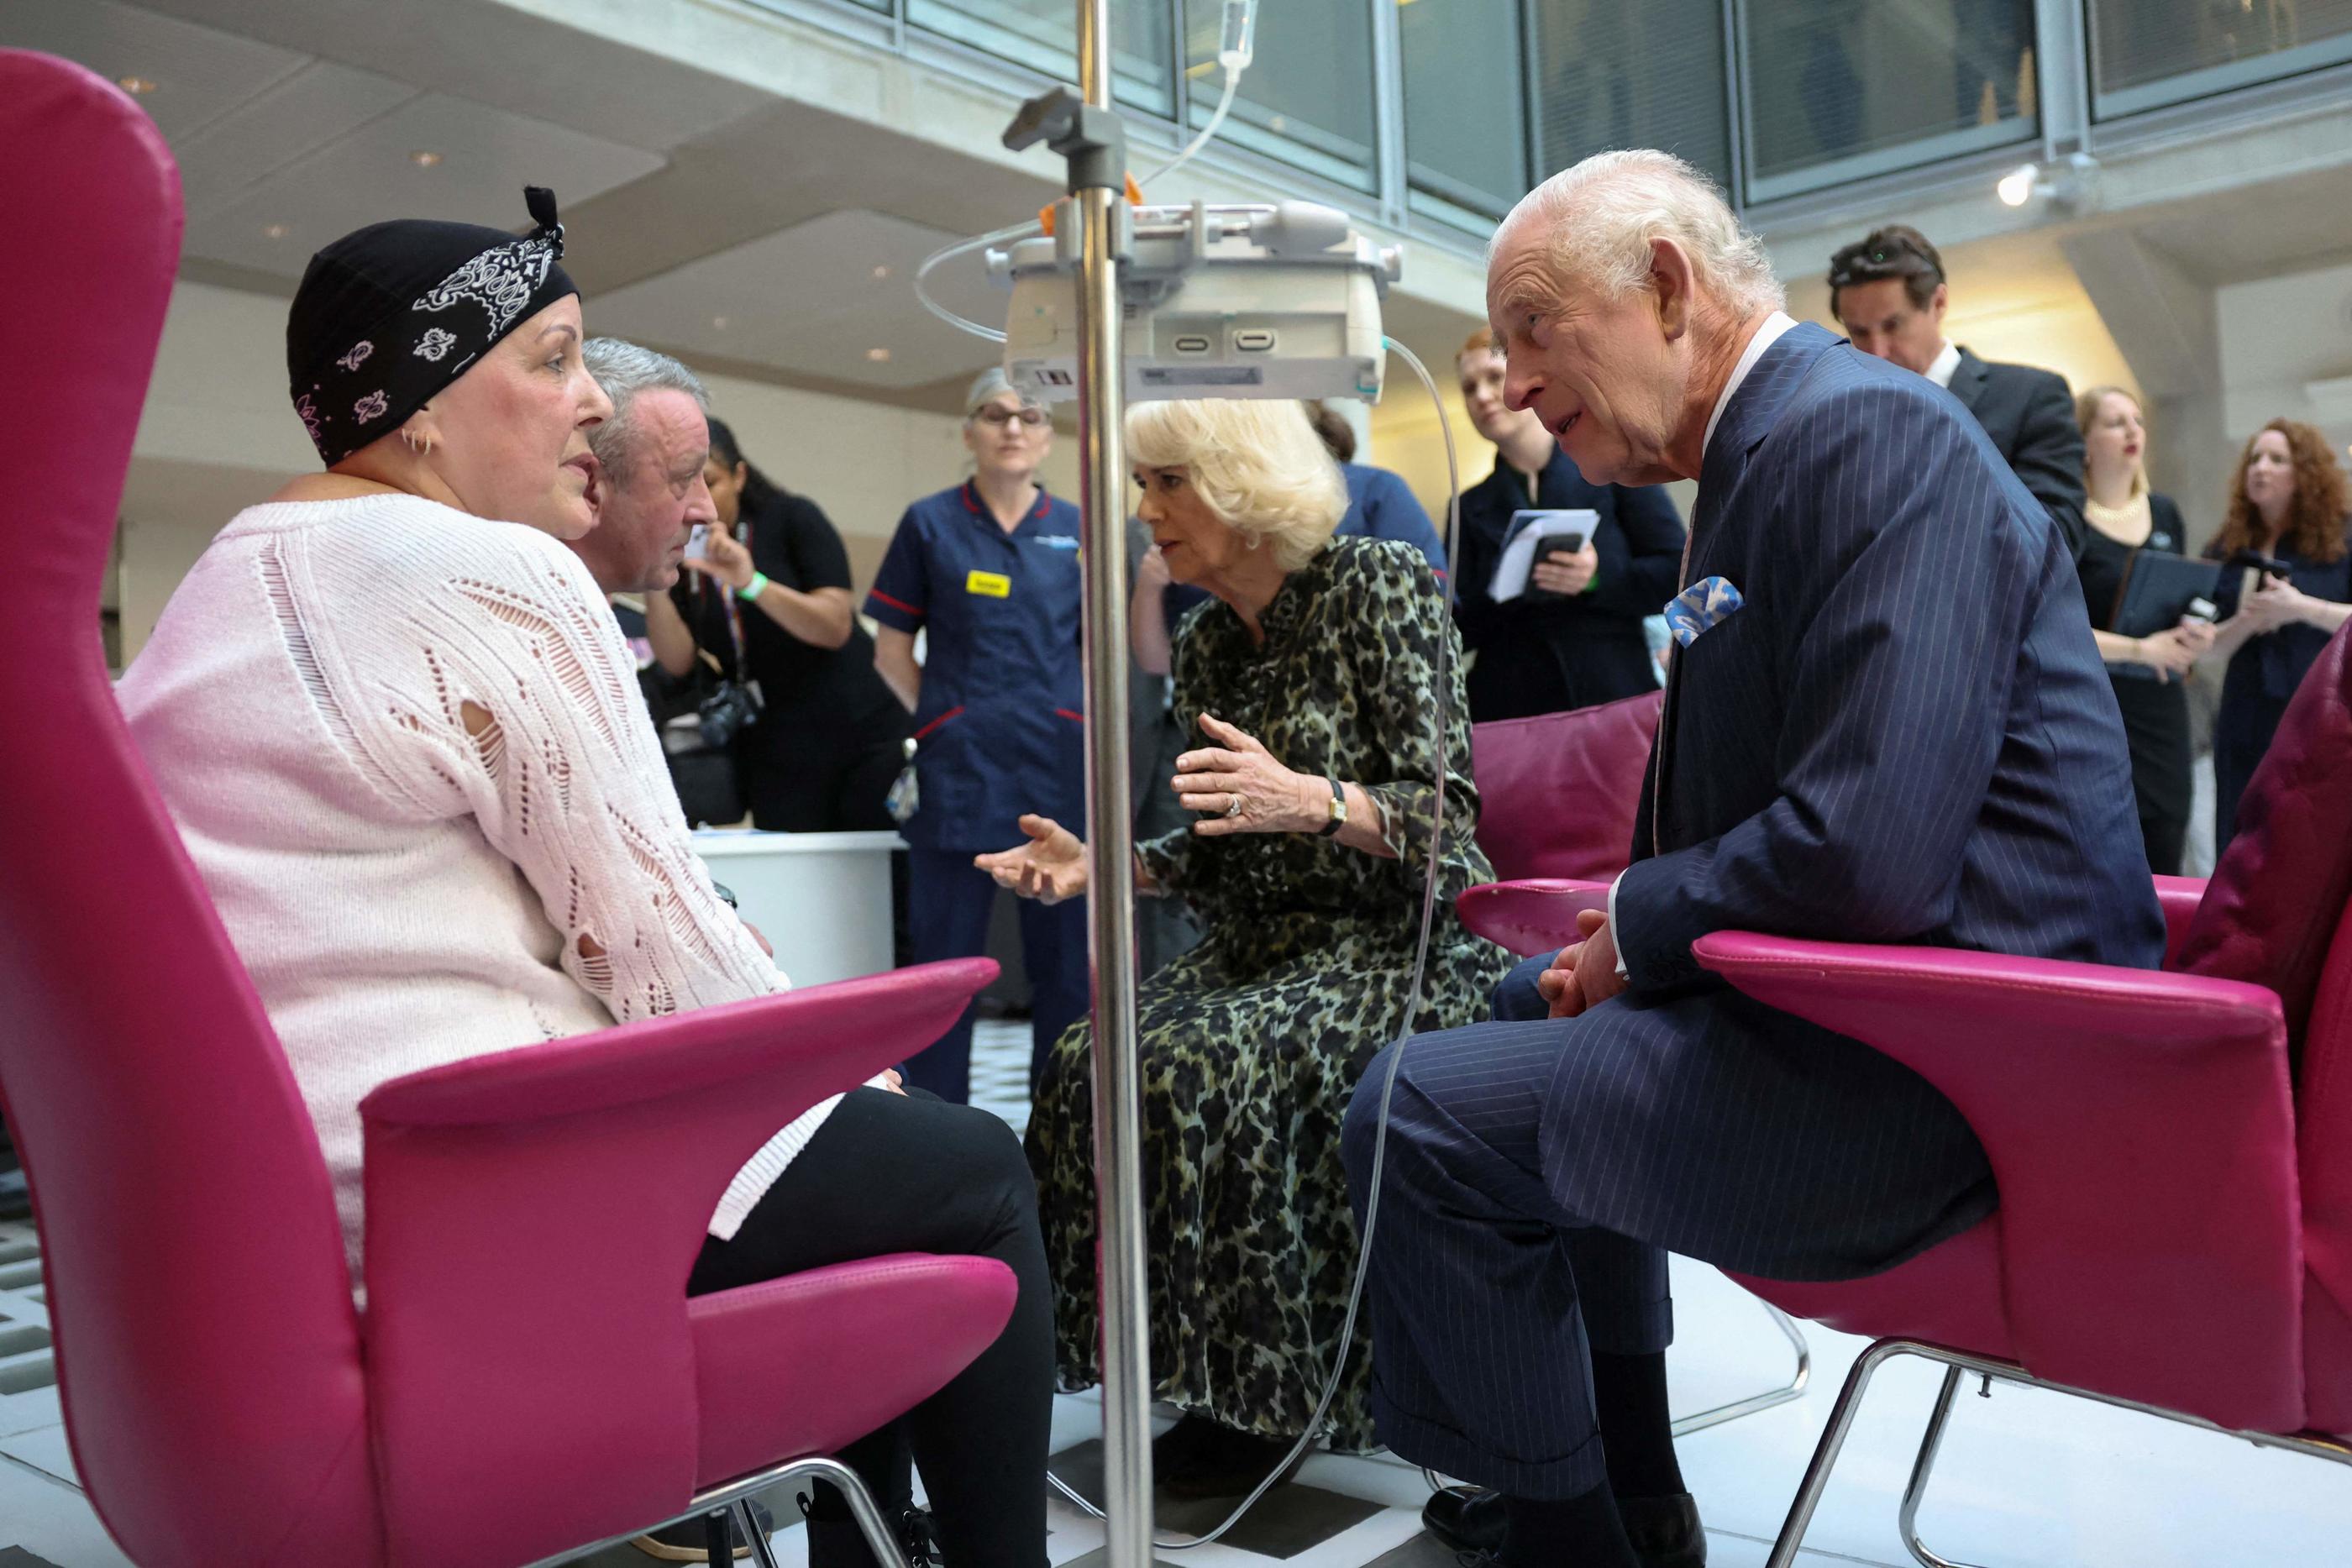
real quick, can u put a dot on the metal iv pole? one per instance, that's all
(1089, 135)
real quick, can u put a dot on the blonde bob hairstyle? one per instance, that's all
(1257, 464)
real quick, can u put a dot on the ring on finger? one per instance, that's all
(1233, 805)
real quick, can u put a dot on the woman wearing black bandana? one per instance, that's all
(400, 734)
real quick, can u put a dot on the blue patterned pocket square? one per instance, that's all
(1700, 606)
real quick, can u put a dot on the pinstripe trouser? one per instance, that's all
(1537, 1170)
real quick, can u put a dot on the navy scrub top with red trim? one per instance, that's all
(999, 726)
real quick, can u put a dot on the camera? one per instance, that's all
(726, 712)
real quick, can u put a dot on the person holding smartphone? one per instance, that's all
(2287, 503)
(1574, 639)
(767, 601)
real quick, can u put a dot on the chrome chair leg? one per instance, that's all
(734, 1497)
(1793, 1389)
(1924, 1466)
(764, 1553)
(862, 1508)
(1825, 1455)
(1955, 1363)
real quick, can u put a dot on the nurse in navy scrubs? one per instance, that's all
(989, 572)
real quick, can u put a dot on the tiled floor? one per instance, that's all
(2028, 1479)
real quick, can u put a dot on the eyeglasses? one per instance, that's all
(1029, 414)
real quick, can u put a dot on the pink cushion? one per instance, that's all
(2272, 906)
(1557, 793)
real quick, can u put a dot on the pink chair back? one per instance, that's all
(1557, 793)
(2323, 1129)
(2277, 913)
(207, 1348)
(2272, 909)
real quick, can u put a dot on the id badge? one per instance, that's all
(987, 585)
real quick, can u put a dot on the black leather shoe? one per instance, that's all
(1213, 1461)
(1665, 1531)
(1467, 1519)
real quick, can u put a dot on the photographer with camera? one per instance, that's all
(789, 692)
(2286, 577)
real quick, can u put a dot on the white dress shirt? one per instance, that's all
(1946, 361)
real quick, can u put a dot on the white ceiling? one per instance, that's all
(693, 198)
(808, 298)
(268, 138)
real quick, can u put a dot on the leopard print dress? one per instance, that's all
(1252, 1043)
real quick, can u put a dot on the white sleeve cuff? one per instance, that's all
(1617, 945)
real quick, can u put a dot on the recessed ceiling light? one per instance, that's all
(137, 86)
(881, 272)
(275, 231)
(720, 322)
(424, 160)
(879, 356)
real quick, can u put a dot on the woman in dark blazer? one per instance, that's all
(2149, 673)
(1577, 640)
(2286, 502)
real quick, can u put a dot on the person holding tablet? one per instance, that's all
(1575, 638)
(2127, 520)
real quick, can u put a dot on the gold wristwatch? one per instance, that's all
(1338, 811)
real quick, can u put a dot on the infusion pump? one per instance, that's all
(1261, 300)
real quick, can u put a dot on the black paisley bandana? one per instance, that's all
(389, 315)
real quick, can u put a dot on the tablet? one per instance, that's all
(2157, 587)
(1533, 531)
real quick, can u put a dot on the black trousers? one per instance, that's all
(907, 1172)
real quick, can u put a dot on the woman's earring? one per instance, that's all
(420, 444)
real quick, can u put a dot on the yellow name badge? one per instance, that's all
(994, 585)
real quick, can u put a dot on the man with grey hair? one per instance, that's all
(1886, 722)
(651, 450)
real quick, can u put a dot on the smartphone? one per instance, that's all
(698, 540)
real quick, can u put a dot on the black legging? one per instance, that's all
(893, 1172)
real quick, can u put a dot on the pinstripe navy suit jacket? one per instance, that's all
(1906, 734)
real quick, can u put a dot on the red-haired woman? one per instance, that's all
(2287, 502)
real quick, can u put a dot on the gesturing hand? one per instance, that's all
(1049, 868)
(1239, 772)
(1584, 974)
(723, 559)
(1152, 572)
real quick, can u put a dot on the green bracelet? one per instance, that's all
(753, 588)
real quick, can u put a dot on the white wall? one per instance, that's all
(2278, 335)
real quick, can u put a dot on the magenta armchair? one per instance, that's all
(1556, 800)
(2174, 1150)
(529, 1377)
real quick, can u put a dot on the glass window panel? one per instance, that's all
(1612, 75)
(1307, 97)
(1042, 34)
(1842, 90)
(1464, 102)
(2152, 52)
